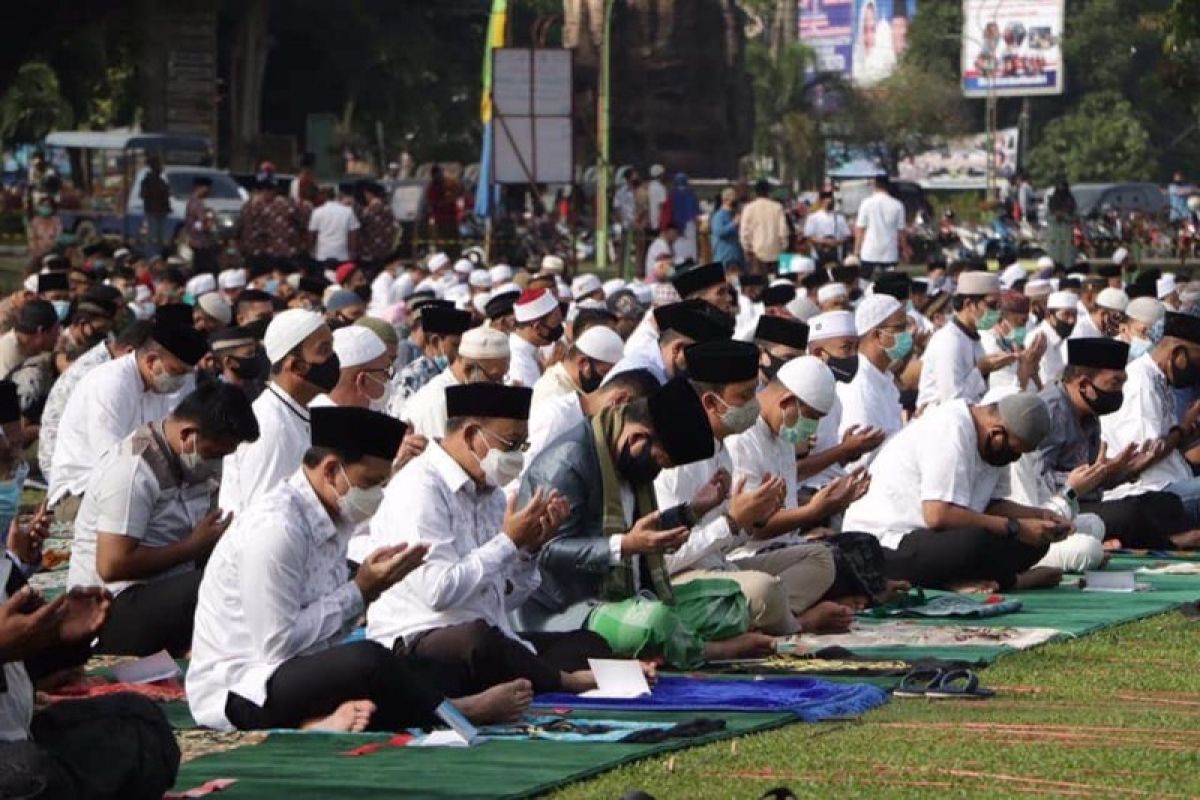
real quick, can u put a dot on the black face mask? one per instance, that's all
(1000, 456)
(1104, 402)
(325, 375)
(1063, 329)
(843, 369)
(339, 322)
(1109, 326)
(1185, 376)
(640, 469)
(554, 334)
(589, 382)
(772, 368)
(251, 367)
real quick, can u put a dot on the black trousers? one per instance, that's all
(118, 747)
(313, 686)
(936, 559)
(1144, 521)
(152, 616)
(481, 656)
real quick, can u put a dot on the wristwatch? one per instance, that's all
(1012, 529)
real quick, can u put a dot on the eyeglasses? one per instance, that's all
(509, 447)
(388, 372)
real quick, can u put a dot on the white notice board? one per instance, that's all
(532, 103)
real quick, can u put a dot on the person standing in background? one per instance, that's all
(726, 246)
(156, 205)
(764, 230)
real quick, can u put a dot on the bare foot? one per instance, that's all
(504, 702)
(969, 587)
(1188, 540)
(894, 590)
(1112, 544)
(650, 670)
(578, 682)
(855, 602)
(350, 717)
(1039, 578)
(827, 617)
(747, 645)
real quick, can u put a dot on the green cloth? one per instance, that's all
(704, 610)
(311, 767)
(620, 581)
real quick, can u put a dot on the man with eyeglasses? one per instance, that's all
(482, 560)
(482, 357)
(955, 365)
(366, 372)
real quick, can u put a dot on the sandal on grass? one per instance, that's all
(961, 684)
(918, 682)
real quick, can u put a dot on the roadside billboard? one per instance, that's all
(1012, 49)
(860, 39)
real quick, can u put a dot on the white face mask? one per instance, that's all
(197, 469)
(381, 402)
(358, 504)
(501, 467)
(164, 382)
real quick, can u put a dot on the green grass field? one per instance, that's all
(1113, 715)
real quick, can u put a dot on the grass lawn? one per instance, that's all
(1112, 715)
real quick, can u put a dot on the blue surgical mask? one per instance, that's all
(1017, 336)
(189, 298)
(62, 308)
(901, 347)
(802, 431)
(1138, 347)
(441, 361)
(271, 286)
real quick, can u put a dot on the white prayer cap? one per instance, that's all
(1146, 310)
(483, 343)
(287, 330)
(851, 261)
(802, 265)
(459, 294)
(534, 304)
(802, 308)
(831, 291)
(1120, 255)
(355, 345)
(215, 306)
(873, 310)
(642, 292)
(121, 252)
(601, 343)
(585, 284)
(31, 283)
(480, 279)
(505, 288)
(1112, 299)
(553, 265)
(596, 305)
(448, 281)
(463, 266)
(480, 301)
(809, 379)
(831, 325)
(1063, 300)
(1054, 282)
(1045, 262)
(564, 291)
(1164, 286)
(232, 279)
(501, 273)
(438, 261)
(199, 284)
(977, 284)
(1011, 274)
(1038, 287)
(612, 286)
(656, 171)
(401, 289)
(429, 285)
(142, 293)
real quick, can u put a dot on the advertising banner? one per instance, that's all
(860, 39)
(1012, 49)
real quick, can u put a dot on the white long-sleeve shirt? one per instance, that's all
(108, 404)
(1054, 360)
(425, 411)
(276, 587)
(712, 537)
(757, 453)
(473, 570)
(828, 437)
(523, 366)
(950, 368)
(1147, 412)
(285, 433)
(870, 400)
(56, 401)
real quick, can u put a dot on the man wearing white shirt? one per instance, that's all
(333, 228)
(114, 399)
(827, 230)
(871, 400)
(277, 602)
(783, 585)
(955, 366)
(482, 357)
(656, 190)
(1106, 318)
(934, 508)
(1147, 416)
(539, 323)
(1056, 328)
(299, 346)
(589, 359)
(365, 370)
(661, 256)
(879, 237)
(147, 519)
(482, 553)
(680, 325)
(1011, 335)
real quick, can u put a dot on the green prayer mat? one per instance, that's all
(294, 766)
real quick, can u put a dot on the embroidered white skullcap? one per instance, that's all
(288, 329)
(802, 308)
(483, 343)
(356, 345)
(501, 273)
(1011, 274)
(480, 279)
(831, 325)
(216, 307)
(874, 310)
(1045, 262)
(464, 266)
(831, 291)
(809, 379)
(1063, 300)
(534, 304)
(1112, 299)
(438, 261)
(1146, 310)
(1164, 286)
(200, 284)
(601, 343)
(232, 279)
(553, 265)
(585, 284)
(1038, 287)
(977, 283)
(612, 286)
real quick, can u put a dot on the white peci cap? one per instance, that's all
(601, 343)
(809, 379)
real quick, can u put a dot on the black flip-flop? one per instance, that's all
(959, 684)
(918, 682)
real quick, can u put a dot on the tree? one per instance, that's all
(935, 38)
(786, 129)
(912, 111)
(33, 105)
(1101, 140)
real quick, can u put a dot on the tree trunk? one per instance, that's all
(247, 68)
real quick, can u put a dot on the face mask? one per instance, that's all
(555, 333)
(62, 308)
(843, 369)
(1063, 329)
(1138, 347)
(1000, 456)
(44, 211)
(1017, 336)
(252, 367)
(590, 382)
(803, 430)
(358, 504)
(738, 419)
(1104, 402)
(10, 495)
(988, 320)
(381, 402)
(441, 361)
(501, 467)
(164, 382)
(325, 375)
(901, 347)
(258, 328)
(638, 469)
(271, 286)
(197, 469)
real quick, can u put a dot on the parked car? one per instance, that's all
(225, 197)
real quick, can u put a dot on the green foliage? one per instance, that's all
(933, 38)
(785, 130)
(33, 105)
(1101, 140)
